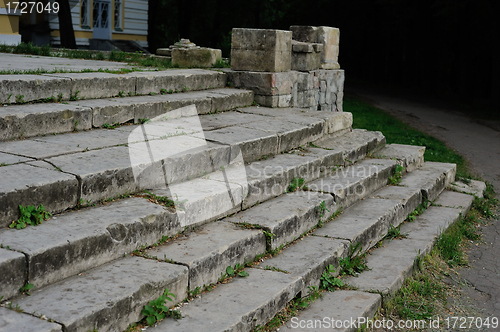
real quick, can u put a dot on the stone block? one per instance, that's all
(164, 51)
(11, 320)
(25, 184)
(12, 272)
(25, 88)
(275, 101)
(262, 83)
(18, 121)
(98, 85)
(261, 50)
(305, 61)
(304, 33)
(330, 38)
(201, 57)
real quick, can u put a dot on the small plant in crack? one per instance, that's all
(156, 309)
(296, 184)
(321, 211)
(30, 215)
(354, 264)
(275, 269)
(329, 281)
(75, 96)
(26, 289)
(395, 233)
(395, 179)
(231, 272)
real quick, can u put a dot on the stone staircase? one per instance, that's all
(224, 169)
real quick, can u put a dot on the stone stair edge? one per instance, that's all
(32, 120)
(179, 324)
(75, 179)
(291, 295)
(101, 85)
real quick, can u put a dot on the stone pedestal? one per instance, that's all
(200, 57)
(261, 50)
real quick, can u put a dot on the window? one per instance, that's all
(85, 14)
(118, 15)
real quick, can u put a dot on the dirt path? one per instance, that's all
(480, 145)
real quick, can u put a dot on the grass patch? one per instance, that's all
(369, 117)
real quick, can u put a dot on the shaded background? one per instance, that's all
(441, 48)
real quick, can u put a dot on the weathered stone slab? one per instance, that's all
(7, 159)
(240, 305)
(473, 187)
(73, 242)
(32, 148)
(304, 33)
(409, 198)
(178, 80)
(23, 88)
(353, 183)
(261, 50)
(39, 119)
(227, 119)
(366, 222)
(103, 173)
(452, 199)
(200, 57)
(409, 156)
(209, 250)
(270, 178)
(229, 99)
(91, 301)
(203, 199)
(290, 135)
(275, 101)
(25, 184)
(109, 111)
(308, 259)
(98, 85)
(12, 273)
(431, 178)
(428, 226)
(11, 320)
(263, 83)
(178, 159)
(253, 143)
(339, 308)
(394, 261)
(355, 144)
(288, 216)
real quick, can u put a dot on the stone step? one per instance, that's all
(426, 178)
(394, 260)
(28, 88)
(239, 305)
(11, 320)
(73, 242)
(367, 221)
(409, 156)
(279, 216)
(22, 121)
(107, 298)
(99, 164)
(340, 311)
(97, 235)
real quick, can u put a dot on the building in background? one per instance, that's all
(9, 25)
(98, 24)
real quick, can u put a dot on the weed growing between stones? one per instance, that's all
(296, 184)
(30, 215)
(396, 178)
(156, 310)
(26, 289)
(292, 309)
(329, 281)
(395, 233)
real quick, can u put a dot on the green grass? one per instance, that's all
(366, 116)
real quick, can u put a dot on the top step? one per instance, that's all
(72, 86)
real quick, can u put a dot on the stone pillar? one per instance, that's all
(261, 50)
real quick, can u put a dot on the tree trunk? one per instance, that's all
(66, 25)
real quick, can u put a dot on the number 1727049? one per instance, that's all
(32, 7)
